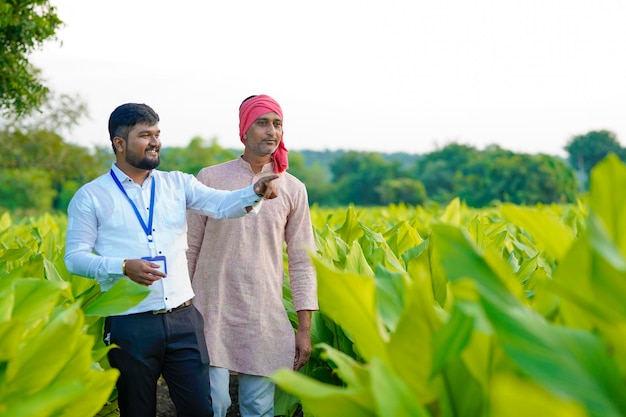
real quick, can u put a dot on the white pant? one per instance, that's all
(256, 394)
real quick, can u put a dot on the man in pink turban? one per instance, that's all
(249, 112)
(237, 268)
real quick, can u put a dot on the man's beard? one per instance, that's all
(143, 162)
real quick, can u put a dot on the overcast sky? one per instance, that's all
(393, 75)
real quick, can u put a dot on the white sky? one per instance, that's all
(387, 76)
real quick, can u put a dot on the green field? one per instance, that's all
(424, 311)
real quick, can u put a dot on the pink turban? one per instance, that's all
(250, 110)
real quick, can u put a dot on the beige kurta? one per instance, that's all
(237, 271)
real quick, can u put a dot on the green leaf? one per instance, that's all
(607, 199)
(410, 348)
(324, 400)
(351, 372)
(393, 397)
(450, 341)
(123, 295)
(513, 396)
(33, 370)
(351, 229)
(389, 295)
(349, 299)
(356, 262)
(548, 231)
(560, 359)
(35, 299)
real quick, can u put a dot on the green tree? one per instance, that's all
(441, 171)
(481, 178)
(41, 153)
(314, 176)
(524, 179)
(27, 191)
(585, 151)
(196, 155)
(357, 176)
(401, 190)
(24, 26)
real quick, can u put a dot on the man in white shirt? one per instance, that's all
(130, 223)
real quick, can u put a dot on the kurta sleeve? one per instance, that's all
(300, 245)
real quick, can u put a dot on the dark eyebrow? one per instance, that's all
(141, 132)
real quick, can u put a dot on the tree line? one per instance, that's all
(40, 171)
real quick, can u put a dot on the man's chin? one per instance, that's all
(150, 163)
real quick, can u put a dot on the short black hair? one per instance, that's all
(126, 116)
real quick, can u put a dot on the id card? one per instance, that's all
(158, 260)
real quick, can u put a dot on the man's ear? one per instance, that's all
(118, 143)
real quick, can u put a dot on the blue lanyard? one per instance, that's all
(148, 228)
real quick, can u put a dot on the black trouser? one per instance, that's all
(169, 344)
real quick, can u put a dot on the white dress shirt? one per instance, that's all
(103, 228)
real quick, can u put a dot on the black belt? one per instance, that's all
(169, 310)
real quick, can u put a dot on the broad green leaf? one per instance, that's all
(464, 395)
(607, 199)
(459, 260)
(123, 295)
(32, 370)
(356, 262)
(7, 298)
(96, 390)
(572, 282)
(352, 373)
(351, 229)
(452, 214)
(592, 289)
(413, 253)
(401, 238)
(451, 339)
(608, 274)
(349, 299)
(389, 296)
(5, 221)
(41, 403)
(284, 402)
(14, 254)
(51, 272)
(411, 345)
(13, 333)
(557, 358)
(480, 356)
(324, 400)
(547, 230)
(330, 245)
(437, 274)
(393, 397)
(512, 396)
(35, 299)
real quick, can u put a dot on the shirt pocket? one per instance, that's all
(173, 212)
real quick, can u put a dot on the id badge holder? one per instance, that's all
(158, 260)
